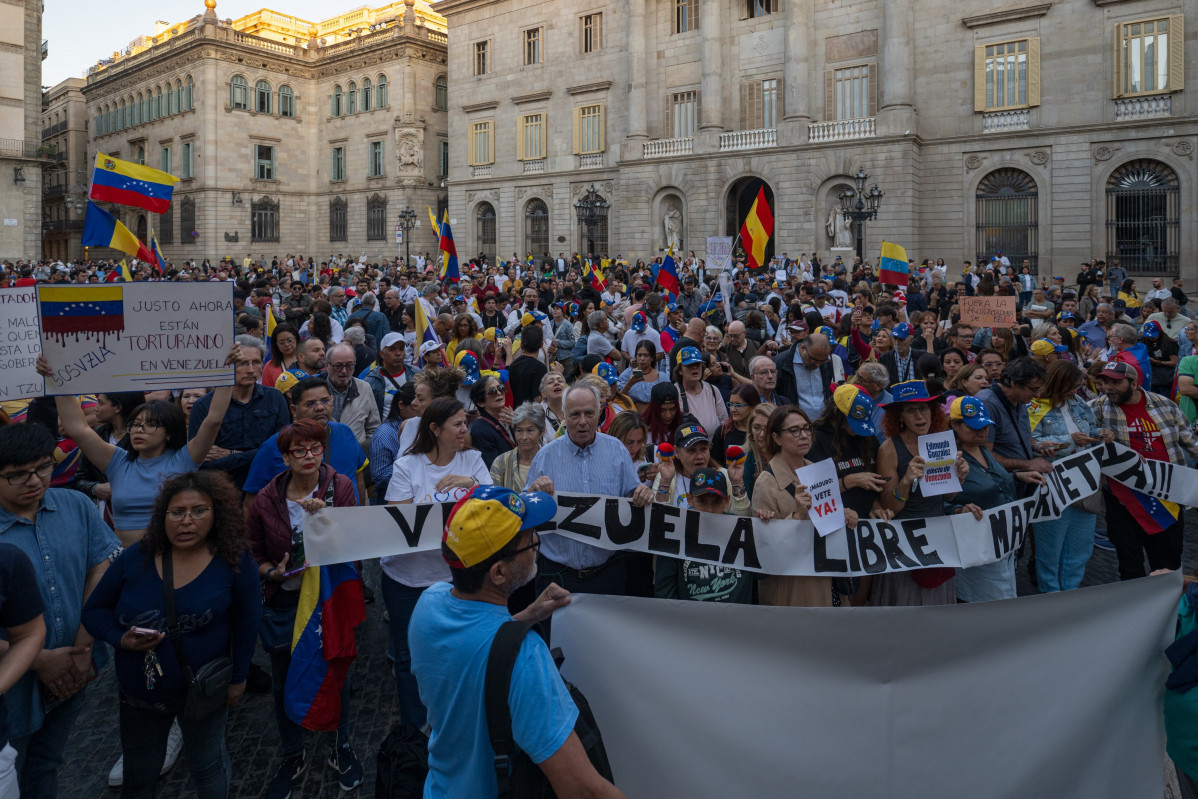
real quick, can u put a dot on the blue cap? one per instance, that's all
(910, 391)
(639, 322)
(901, 331)
(1150, 330)
(970, 410)
(688, 356)
(606, 371)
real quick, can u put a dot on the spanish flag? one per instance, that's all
(101, 229)
(893, 266)
(127, 183)
(757, 229)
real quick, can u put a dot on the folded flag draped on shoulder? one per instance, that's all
(757, 229)
(424, 330)
(450, 270)
(331, 605)
(101, 229)
(893, 264)
(127, 183)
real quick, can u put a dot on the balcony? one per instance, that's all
(590, 161)
(1134, 108)
(54, 130)
(842, 130)
(1006, 121)
(21, 148)
(534, 167)
(53, 191)
(480, 171)
(62, 224)
(667, 148)
(748, 139)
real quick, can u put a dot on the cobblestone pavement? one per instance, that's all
(254, 741)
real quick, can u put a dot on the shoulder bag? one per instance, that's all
(207, 688)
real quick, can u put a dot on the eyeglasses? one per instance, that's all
(536, 542)
(145, 427)
(177, 514)
(341, 366)
(318, 403)
(798, 431)
(737, 405)
(21, 478)
(300, 452)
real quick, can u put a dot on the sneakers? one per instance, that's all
(174, 742)
(290, 771)
(348, 766)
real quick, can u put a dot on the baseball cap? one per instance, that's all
(1119, 370)
(532, 318)
(909, 391)
(485, 520)
(1063, 315)
(798, 326)
(429, 346)
(970, 410)
(1120, 305)
(1150, 330)
(709, 481)
(459, 298)
(606, 371)
(901, 331)
(858, 408)
(689, 435)
(688, 356)
(391, 339)
(639, 322)
(287, 380)
(493, 334)
(1043, 346)
(819, 292)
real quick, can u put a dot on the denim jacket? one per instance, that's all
(1052, 426)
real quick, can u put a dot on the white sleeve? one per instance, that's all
(400, 486)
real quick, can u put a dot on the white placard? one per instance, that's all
(136, 336)
(726, 292)
(939, 453)
(823, 484)
(719, 252)
(20, 344)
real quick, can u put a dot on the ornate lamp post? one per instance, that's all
(860, 206)
(407, 221)
(591, 210)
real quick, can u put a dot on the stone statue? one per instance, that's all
(837, 228)
(409, 152)
(673, 224)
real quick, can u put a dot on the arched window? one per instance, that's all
(380, 92)
(167, 108)
(121, 117)
(441, 96)
(96, 123)
(187, 221)
(137, 106)
(337, 220)
(262, 94)
(141, 227)
(536, 227)
(264, 220)
(1007, 217)
(178, 96)
(366, 96)
(484, 223)
(239, 93)
(335, 107)
(286, 101)
(351, 98)
(141, 155)
(188, 94)
(592, 224)
(376, 218)
(1142, 217)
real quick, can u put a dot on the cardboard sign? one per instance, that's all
(20, 344)
(939, 453)
(988, 311)
(827, 508)
(719, 252)
(136, 336)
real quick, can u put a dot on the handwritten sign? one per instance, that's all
(135, 336)
(20, 344)
(939, 453)
(988, 311)
(719, 252)
(827, 508)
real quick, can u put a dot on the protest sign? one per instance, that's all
(135, 336)
(939, 453)
(988, 311)
(19, 345)
(719, 252)
(782, 546)
(822, 483)
(987, 701)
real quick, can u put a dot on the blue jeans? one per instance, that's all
(40, 754)
(144, 731)
(1063, 548)
(291, 733)
(401, 601)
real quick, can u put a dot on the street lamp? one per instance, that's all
(591, 210)
(860, 206)
(407, 221)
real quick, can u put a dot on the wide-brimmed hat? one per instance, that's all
(909, 391)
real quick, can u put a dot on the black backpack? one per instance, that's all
(515, 772)
(402, 764)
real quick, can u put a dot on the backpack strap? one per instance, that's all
(789, 488)
(505, 647)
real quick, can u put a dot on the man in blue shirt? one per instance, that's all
(62, 533)
(311, 399)
(489, 544)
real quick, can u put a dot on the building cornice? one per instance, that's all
(447, 7)
(586, 88)
(533, 97)
(486, 105)
(1014, 14)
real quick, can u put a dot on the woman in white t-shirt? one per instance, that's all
(435, 468)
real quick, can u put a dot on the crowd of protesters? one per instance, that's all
(540, 375)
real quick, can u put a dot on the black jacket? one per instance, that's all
(788, 386)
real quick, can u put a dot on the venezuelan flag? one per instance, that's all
(450, 269)
(157, 253)
(893, 264)
(101, 229)
(667, 276)
(757, 229)
(1153, 514)
(331, 605)
(432, 218)
(81, 309)
(127, 183)
(424, 330)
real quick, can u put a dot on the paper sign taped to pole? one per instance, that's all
(136, 336)
(20, 344)
(939, 453)
(823, 484)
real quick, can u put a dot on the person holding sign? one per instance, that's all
(987, 485)
(910, 414)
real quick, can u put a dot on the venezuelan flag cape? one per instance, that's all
(893, 264)
(101, 229)
(424, 330)
(757, 229)
(331, 605)
(667, 276)
(127, 183)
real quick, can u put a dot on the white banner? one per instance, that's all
(135, 336)
(20, 344)
(1048, 696)
(783, 546)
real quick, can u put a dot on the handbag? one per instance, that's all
(206, 688)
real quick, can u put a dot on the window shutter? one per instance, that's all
(520, 140)
(830, 96)
(1177, 45)
(577, 129)
(1117, 83)
(602, 127)
(670, 132)
(544, 132)
(979, 77)
(470, 160)
(873, 75)
(1033, 71)
(698, 120)
(490, 159)
(598, 31)
(752, 104)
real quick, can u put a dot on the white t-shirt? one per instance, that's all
(708, 407)
(415, 478)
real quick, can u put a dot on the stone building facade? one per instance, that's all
(289, 136)
(67, 171)
(1052, 131)
(21, 53)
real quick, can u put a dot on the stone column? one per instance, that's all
(896, 70)
(796, 109)
(711, 105)
(638, 126)
(409, 93)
